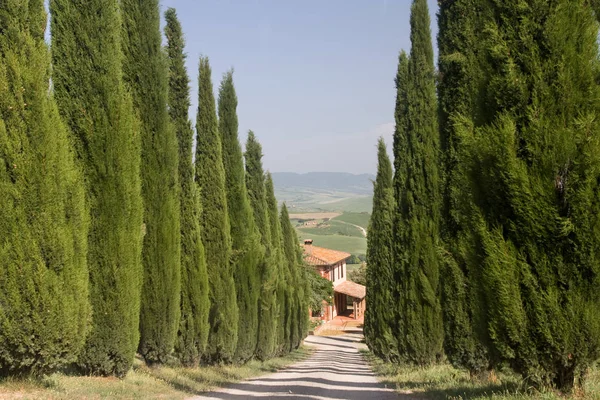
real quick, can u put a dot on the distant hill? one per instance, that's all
(329, 181)
(324, 191)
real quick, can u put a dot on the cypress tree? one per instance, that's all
(216, 235)
(282, 329)
(146, 72)
(530, 165)
(420, 202)
(45, 310)
(93, 100)
(400, 150)
(267, 304)
(193, 325)
(293, 284)
(247, 250)
(460, 27)
(255, 183)
(379, 316)
(304, 292)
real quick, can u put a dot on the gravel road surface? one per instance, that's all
(336, 370)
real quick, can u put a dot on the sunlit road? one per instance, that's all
(336, 370)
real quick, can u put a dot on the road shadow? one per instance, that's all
(260, 389)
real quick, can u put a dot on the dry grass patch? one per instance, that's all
(315, 215)
(330, 332)
(143, 382)
(446, 382)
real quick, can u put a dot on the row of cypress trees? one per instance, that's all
(492, 255)
(115, 239)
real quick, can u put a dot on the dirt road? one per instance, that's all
(335, 371)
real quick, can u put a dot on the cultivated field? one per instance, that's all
(355, 218)
(315, 215)
(337, 231)
(309, 200)
(352, 245)
(334, 227)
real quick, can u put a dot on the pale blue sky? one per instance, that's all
(314, 78)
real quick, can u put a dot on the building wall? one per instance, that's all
(336, 274)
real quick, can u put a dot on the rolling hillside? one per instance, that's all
(324, 191)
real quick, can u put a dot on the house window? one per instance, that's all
(342, 270)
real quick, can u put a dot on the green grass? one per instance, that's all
(333, 227)
(446, 382)
(353, 245)
(142, 382)
(356, 218)
(356, 204)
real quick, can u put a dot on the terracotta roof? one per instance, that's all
(351, 289)
(321, 256)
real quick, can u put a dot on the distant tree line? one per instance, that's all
(483, 245)
(115, 239)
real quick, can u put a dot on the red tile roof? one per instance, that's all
(351, 289)
(318, 256)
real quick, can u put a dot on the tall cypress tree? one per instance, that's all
(216, 234)
(45, 310)
(293, 284)
(267, 303)
(420, 202)
(146, 73)
(247, 250)
(460, 27)
(379, 316)
(92, 98)
(193, 325)
(530, 165)
(304, 291)
(282, 329)
(400, 150)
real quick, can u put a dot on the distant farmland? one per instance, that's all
(334, 230)
(314, 215)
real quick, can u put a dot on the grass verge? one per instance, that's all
(143, 382)
(446, 382)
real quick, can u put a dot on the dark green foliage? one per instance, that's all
(288, 289)
(303, 290)
(417, 236)
(400, 150)
(267, 303)
(255, 183)
(460, 24)
(320, 289)
(380, 316)
(193, 325)
(296, 305)
(146, 72)
(247, 250)
(216, 235)
(93, 100)
(45, 311)
(529, 169)
(359, 275)
(276, 248)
